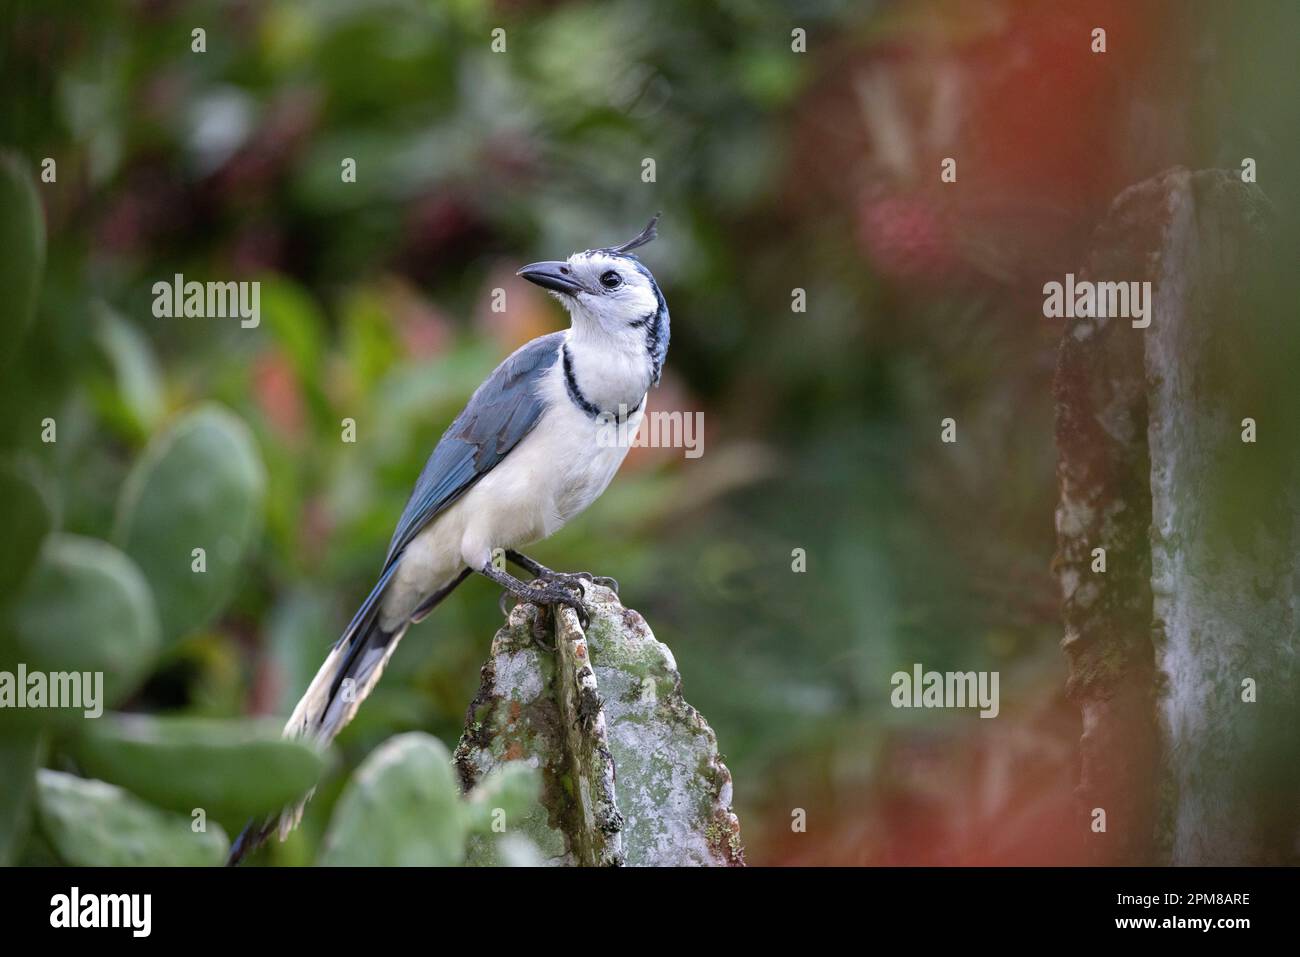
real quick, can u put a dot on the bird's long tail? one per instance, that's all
(350, 672)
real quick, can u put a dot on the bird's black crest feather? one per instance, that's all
(646, 235)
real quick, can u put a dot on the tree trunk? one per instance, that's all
(1198, 597)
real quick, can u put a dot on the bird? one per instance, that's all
(531, 449)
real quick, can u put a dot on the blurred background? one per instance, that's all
(775, 170)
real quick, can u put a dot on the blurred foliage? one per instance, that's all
(93, 824)
(403, 808)
(230, 768)
(774, 171)
(22, 236)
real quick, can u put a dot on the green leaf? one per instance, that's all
(506, 794)
(86, 608)
(199, 485)
(228, 767)
(27, 518)
(22, 237)
(137, 392)
(401, 808)
(94, 824)
(20, 755)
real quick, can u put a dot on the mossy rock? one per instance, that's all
(642, 767)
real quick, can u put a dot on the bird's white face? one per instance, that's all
(620, 320)
(616, 293)
(600, 290)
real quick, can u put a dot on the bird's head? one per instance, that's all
(609, 291)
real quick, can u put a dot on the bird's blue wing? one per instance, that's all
(499, 413)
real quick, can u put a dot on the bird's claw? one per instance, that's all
(563, 580)
(603, 580)
(579, 609)
(545, 594)
(561, 591)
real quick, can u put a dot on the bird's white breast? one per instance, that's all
(559, 468)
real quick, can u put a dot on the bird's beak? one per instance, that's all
(556, 276)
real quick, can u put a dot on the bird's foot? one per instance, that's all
(545, 592)
(541, 572)
(548, 595)
(577, 578)
(540, 592)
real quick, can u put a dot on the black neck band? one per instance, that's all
(577, 397)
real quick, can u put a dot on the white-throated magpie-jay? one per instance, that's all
(525, 456)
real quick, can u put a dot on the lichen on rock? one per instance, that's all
(631, 772)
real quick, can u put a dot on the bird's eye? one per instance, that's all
(611, 280)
